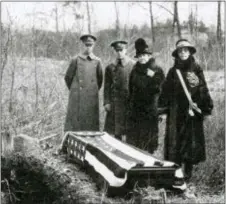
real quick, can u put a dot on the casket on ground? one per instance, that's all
(120, 165)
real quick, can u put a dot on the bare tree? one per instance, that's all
(11, 44)
(34, 50)
(34, 45)
(163, 7)
(5, 43)
(219, 22)
(76, 9)
(5, 49)
(191, 22)
(9, 50)
(117, 23)
(89, 17)
(152, 22)
(55, 10)
(176, 20)
(13, 69)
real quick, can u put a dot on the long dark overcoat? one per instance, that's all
(142, 123)
(184, 140)
(83, 79)
(116, 94)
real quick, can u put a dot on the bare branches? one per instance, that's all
(117, 23)
(176, 20)
(219, 22)
(56, 18)
(5, 51)
(89, 17)
(163, 7)
(152, 22)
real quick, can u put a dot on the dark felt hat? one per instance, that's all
(141, 47)
(183, 43)
(88, 39)
(119, 44)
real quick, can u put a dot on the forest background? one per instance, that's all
(36, 52)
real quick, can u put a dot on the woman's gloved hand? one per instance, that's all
(150, 73)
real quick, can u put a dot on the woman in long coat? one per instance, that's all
(84, 79)
(184, 140)
(144, 89)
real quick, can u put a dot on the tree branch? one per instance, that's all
(161, 6)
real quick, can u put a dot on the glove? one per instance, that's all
(150, 73)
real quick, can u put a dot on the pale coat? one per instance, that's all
(84, 79)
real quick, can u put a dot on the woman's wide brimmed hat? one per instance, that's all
(183, 43)
(141, 47)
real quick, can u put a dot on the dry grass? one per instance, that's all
(49, 118)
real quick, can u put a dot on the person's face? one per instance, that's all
(121, 53)
(88, 48)
(183, 53)
(143, 58)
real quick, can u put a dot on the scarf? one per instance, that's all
(185, 65)
(142, 68)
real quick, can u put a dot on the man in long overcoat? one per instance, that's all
(84, 79)
(116, 90)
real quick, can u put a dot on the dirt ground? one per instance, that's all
(76, 186)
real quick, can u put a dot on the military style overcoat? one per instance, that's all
(84, 79)
(116, 94)
(184, 140)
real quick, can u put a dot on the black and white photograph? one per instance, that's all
(112, 102)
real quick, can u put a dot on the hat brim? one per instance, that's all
(191, 48)
(82, 38)
(119, 41)
(145, 52)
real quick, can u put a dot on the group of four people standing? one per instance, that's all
(133, 91)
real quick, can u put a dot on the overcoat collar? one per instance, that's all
(125, 61)
(84, 56)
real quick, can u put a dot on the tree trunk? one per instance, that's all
(117, 23)
(36, 85)
(4, 52)
(176, 20)
(152, 22)
(191, 22)
(34, 43)
(11, 89)
(196, 21)
(12, 75)
(56, 18)
(89, 17)
(219, 22)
